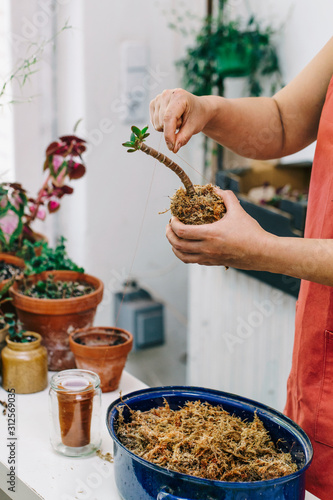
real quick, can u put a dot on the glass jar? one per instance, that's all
(75, 411)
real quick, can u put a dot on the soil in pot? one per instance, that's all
(24, 365)
(10, 267)
(103, 350)
(56, 318)
(8, 270)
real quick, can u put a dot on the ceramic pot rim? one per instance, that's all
(82, 350)
(25, 346)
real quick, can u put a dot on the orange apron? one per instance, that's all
(310, 384)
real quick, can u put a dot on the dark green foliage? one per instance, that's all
(55, 289)
(228, 48)
(39, 257)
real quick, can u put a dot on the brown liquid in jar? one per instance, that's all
(75, 411)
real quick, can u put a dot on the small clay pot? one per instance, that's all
(24, 365)
(54, 319)
(103, 350)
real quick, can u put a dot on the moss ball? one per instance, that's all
(204, 207)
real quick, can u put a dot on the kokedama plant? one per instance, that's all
(18, 210)
(192, 205)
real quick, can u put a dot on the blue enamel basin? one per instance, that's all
(138, 479)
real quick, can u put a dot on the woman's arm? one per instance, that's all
(237, 240)
(258, 127)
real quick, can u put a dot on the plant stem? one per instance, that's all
(170, 164)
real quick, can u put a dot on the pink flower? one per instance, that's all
(8, 224)
(53, 205)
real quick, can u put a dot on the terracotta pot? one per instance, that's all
(8, 307)
(99, 356)
(24, 365)
(55, 319)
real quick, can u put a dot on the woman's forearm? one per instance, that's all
(251, 127)
(304, 258)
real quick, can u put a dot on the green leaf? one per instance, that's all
(131, 150)
(128, 144)
(145, 135)
(132, 138)
(144, 130)
(136, 131)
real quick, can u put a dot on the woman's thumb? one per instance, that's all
(230, 199)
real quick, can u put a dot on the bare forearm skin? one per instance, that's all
(304, 258)
(251, 127)
(266, 128)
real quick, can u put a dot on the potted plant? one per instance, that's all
(192, 205)
(227, 46)
(55, 303)
(103, 350)
(24, 359)
(18, 210)
(38, 257)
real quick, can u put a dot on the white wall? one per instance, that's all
(113, 222)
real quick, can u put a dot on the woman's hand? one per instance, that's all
(179, 110)
(237, 240)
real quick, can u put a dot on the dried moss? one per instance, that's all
(203, 208)
(204, 441)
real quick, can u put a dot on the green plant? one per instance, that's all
(192, 205)
(39, 257)
(51, 288)
(226, 47)
(137, 143)
(27, 66)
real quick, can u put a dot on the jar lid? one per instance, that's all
(75, 381)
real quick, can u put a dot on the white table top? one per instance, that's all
(44, 474)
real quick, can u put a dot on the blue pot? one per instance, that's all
(138, 479)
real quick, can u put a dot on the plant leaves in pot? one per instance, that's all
(103, 350)
(56, 318)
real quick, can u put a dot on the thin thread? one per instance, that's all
(195, 170)
(138, 239)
